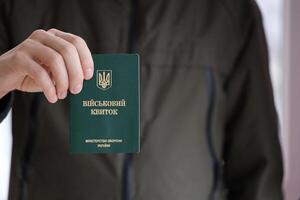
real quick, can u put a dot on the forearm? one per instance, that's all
(2, 94)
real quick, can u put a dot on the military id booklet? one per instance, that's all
(105, 115)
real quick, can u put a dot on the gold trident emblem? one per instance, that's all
(104, 79)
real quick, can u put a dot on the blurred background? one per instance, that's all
(282, 26)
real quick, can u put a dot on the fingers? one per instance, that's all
(58, 62)
(39, 75)
(82, 48)
(69, 54)
(55, 63)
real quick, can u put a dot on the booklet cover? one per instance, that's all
(105, 115)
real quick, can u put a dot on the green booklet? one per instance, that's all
(105, 115)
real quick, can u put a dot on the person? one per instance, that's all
(208, 121)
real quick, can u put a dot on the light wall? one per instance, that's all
(291, 122)
(5, 152)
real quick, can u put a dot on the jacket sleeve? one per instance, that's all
(252, 154)
(5, 105)
(5, 41)
(6, 101)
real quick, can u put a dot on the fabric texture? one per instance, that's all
(209, 128)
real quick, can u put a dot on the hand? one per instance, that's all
(49, 61)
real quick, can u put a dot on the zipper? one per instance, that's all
(127, 177)
(215, 162)
(127, 171)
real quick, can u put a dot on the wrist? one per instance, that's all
(2, 94)
(6, 77)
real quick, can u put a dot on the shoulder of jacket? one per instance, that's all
(245, 16)
(242, 13)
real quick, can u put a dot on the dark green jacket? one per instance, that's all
(208, 123)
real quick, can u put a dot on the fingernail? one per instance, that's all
(76, 89)
(62, 95)
(53, 98)
(88, 73)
